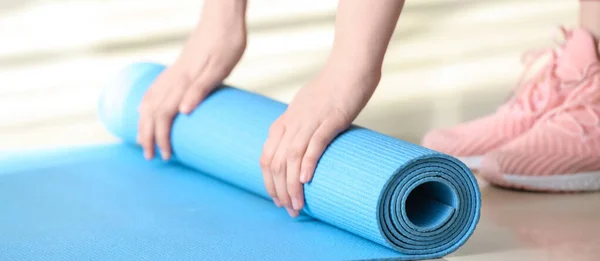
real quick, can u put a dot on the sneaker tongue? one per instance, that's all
(578, 54)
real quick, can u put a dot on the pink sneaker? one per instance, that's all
(533, 98)
(562, 151)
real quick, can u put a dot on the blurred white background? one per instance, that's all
(450, 60)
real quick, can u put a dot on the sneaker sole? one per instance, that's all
(472, 162)
(576, 182)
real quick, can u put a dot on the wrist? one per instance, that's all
(222, 19)
(355, 59)
(352, 73)
(235, 6)
(352, 64)
(232, 11)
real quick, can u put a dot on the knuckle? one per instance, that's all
(309, 161)
(157, 112)
(294, 153)
(284, 199)
(192, 93)
(341, 119)
(146, 109)
(293, 188)
(276, 166)
(271, 191)
(164, 112)
(274, 170)
(321, 139)
(195, 94)
(144, 137)
(265, 161)
(147, 144)
(142, 106)
(186, 78)
(276, 128)
(294, 193)
(200, 91)
(162, 142)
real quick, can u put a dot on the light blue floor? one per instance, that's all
(108, 203)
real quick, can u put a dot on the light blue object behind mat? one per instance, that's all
(363, 183)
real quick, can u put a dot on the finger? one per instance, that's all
(198, 91)
(275, 134)
(194, 97)
(149, 97)
(146, 100)
(292, 212)
(146, 110)
(164, 120)
(317, 145)
(270, 186)
(146, 134)
(279, 182)
(295, 153)
(140, 132)
(279, 167)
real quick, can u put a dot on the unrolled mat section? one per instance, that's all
(418, 202)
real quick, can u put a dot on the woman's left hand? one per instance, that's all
(317, 114)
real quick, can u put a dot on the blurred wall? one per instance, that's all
(449, 61)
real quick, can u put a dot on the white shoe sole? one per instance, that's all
(585, 181)
(472, 162)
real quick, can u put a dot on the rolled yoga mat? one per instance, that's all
(372, 196)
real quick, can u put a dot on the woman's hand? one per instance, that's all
(316, 115)
(329, 104)
(209, 56)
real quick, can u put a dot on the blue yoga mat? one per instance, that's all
(372, 196)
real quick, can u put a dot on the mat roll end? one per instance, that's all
(430, 207)
(117, 97)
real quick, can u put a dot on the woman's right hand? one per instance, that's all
(209, 56)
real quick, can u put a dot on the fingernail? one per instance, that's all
(295, 203)
(291, 212)
(184, 109)
(277, 202)
(165, 155)
(304, 176)
(147, 155)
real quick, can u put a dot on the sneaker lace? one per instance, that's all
(586, 98)
(531, 90)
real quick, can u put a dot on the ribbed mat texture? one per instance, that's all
(421, 203)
